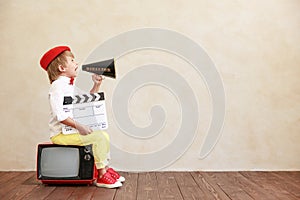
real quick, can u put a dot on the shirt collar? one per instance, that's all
(64, 79)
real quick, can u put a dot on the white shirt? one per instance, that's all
(58, 90)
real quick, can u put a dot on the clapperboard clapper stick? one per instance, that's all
(105, 68)
(83, 98)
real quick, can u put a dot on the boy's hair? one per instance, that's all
(53, 70)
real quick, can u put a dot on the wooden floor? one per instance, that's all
(162, 185)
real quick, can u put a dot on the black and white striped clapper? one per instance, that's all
(84, 98)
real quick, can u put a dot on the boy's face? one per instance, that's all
(70, 68)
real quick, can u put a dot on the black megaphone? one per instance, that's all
(105, 68)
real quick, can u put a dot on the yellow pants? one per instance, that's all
(99, 140)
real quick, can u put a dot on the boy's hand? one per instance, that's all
(97, 79)
(83, 129)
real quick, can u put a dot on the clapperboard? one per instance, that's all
(87, 109)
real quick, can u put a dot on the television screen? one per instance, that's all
(60, 162)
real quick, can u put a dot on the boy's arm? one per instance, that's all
(97, 79)
(83, 130)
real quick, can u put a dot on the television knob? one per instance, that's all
(87, 157)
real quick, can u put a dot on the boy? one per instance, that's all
(62, 70)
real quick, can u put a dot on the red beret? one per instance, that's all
(51, 55)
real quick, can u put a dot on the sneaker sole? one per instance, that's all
(121, 179)
(110, 186)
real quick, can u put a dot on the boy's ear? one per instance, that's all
(61, 68)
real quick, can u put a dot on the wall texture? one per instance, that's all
(255, 46)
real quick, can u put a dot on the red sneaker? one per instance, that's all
(115, 175)
(107, 181)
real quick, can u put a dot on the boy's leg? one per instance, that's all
(70, 139)
(101, 147)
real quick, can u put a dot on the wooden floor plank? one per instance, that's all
(270, 185)
(147, 186)
(208, 188)
(129, 189)
(191, 192)
(104, 193)
(188, 186)
(235, 179)
(211, 179)
(60, 193)
(166, 193)
(22, 187)
(8, 176)
(18, 192)
(167, 186)
(286, 184)
(230, 191)
(82, 192)
(39, 192)
(184, 179)
(14, 182)
(32, 180)
(166, 179)
(293, 176)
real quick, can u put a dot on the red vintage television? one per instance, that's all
(65, 164)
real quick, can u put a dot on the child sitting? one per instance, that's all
(62, 69)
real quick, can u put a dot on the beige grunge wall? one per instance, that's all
(255, 46)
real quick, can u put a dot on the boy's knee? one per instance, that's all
(101, 135)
